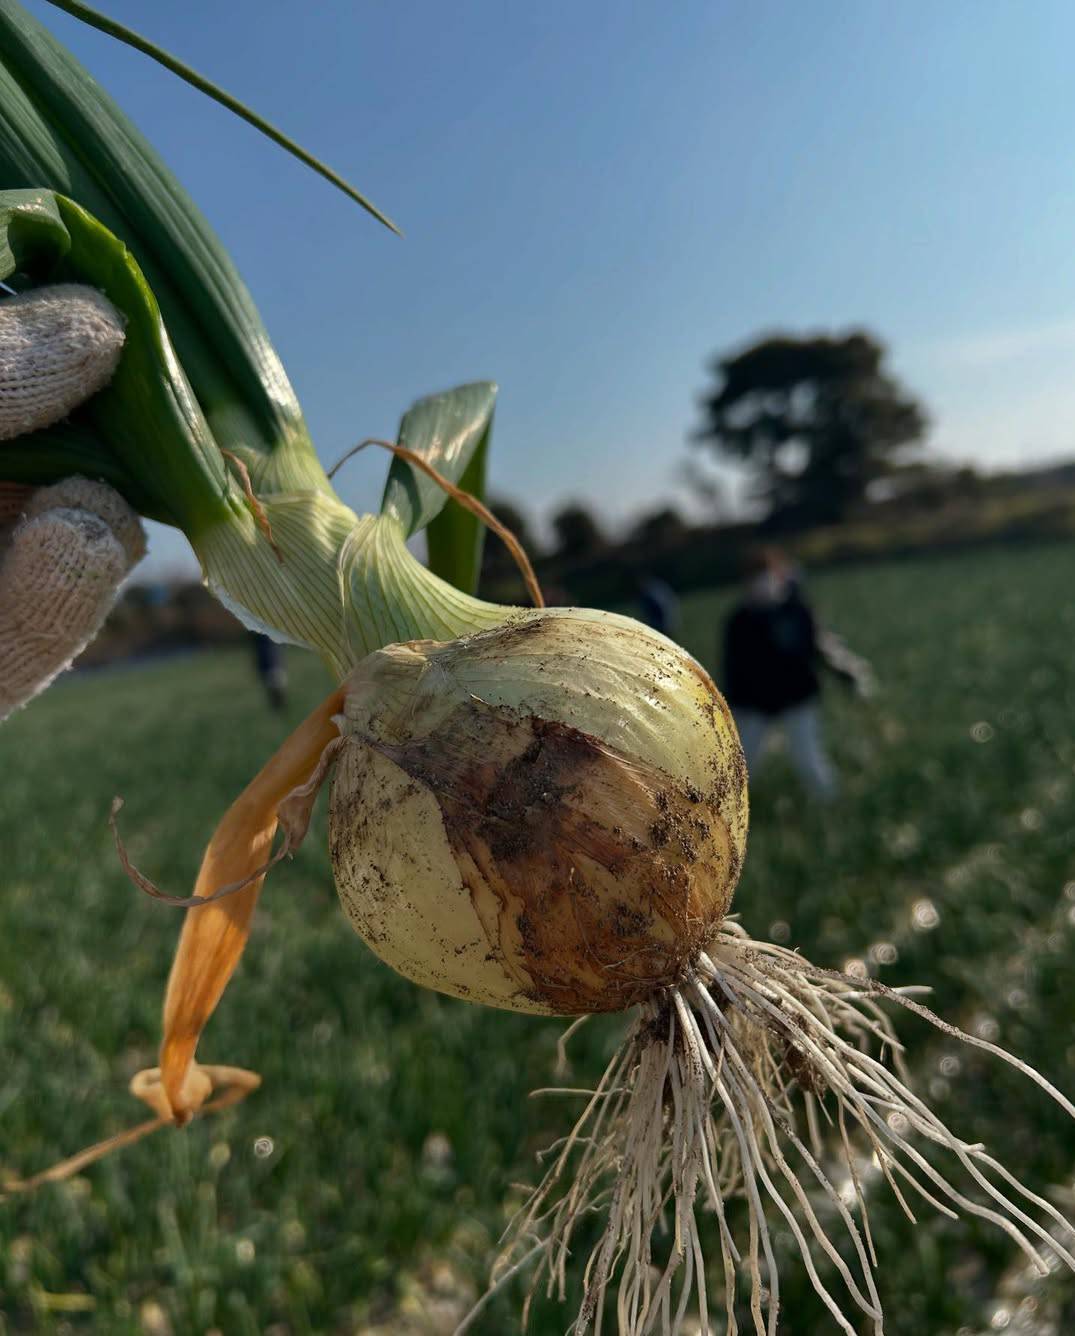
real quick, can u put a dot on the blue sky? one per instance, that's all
(599, 195)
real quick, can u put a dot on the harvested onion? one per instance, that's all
(550, 816)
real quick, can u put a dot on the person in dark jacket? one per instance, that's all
(270, 668)
(772, 653)
(658, 605)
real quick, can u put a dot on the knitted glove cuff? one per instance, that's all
(58, 581)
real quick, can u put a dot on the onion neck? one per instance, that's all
(338, 583)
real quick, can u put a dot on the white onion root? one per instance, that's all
(719, 1092)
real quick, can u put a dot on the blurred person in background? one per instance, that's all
(772, 652)
(271, 670)
(658, 604)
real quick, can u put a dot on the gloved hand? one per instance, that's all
(851, 668)
(65, 548)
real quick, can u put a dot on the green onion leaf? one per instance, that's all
(146, 419)
(131, 38)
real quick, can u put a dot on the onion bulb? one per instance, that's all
(549, 816)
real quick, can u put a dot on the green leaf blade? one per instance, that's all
(93, 19)
(147, 418)
(446, 430)
(455, 538)
(60, 131)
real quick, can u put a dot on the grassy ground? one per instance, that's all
(363, 1188)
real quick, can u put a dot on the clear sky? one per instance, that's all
(599, 195)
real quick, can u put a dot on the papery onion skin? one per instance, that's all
(548, 817)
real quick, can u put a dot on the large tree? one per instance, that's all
(658, 528)
(578, 532)
(818, 418)
(499, 574)
(516, 519)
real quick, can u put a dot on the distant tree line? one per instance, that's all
(832, 445)
(578, 536)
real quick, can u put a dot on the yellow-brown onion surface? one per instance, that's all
(549, 816)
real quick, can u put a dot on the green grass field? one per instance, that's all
(363, 1188)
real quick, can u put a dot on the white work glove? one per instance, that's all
(65, 548)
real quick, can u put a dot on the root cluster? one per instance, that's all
(766, 1079)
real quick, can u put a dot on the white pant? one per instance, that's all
(801, 727)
